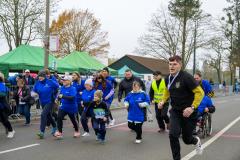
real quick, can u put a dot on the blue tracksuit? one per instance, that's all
(207, 87)
(45, 89)
(88, 96)
(206, 102)
(79, 88)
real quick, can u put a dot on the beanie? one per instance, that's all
(42, 73)
(106, 69)
(99, 94)
(89, 82)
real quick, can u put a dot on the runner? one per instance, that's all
(237, 87)
(5, 109)
(78, 84)
(206, 85)
(44, 89)
(135, 102)
(114, 83)
(87, 97)
(156, 93)
(185, 95)
(108, 90)
(68, 106)
(99, 115)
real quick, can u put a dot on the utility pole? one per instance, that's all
(46, 56)
(194, 55)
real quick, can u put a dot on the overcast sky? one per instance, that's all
(125, 20)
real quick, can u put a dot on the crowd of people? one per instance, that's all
(82, 100)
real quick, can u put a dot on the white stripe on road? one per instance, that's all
(237, 99)
(118, 125)
(222, 102)
(19, 148)
(193, 153)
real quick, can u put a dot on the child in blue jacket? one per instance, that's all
(136, 101)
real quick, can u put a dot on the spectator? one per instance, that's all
(66, 74)
(94, 77)
(211, 82)
(224, 86)
(206, 79)
(127, 83)
(13, 79)
(49, 68)
(55, 75)
(100, 71)
(27, 78)
(5, 80)
(60, 81)
(148, 84)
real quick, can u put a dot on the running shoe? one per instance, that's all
(54, 130)
(161, 130)
(86, 134)
(167, 126)
(138, 141)
(98, 136)
(107, 126)
(132, 130)
(102, 141)
(58, 134)
(198, 147)
(112, 122)
(76, 134)
(11, 134)
(27, 124)
(41, 134)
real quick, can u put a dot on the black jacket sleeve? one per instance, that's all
(7, 83)
(115, 85)
(86, 103)
(70, 98)
(212, 109)
(88, 109)
(120, 90)
(151, 93)
(28, 95)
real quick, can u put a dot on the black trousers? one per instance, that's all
(61, 114)
(137, 128)
(161, 114)
(179, 123)
(5, 121)
(80, 111)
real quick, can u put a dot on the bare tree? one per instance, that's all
(164, 37)
(22, 21)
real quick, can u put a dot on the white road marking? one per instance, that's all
(118, 125)
(237, 99)
(15, 149)
(222, 102)
(193, 153)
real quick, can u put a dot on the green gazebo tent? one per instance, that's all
(32, 58)
(85, 63)
(121, 73)
(4, 69)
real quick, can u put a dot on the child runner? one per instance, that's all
(87, 97)
(99, 115)
(68, 106)
(108, 90)
(135, 102)
(44, 88)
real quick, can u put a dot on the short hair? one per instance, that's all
(21, 81)
(198, 73)
(136, 83)
(47, 71)
(175, 58)
(128, 70)
(99, 71)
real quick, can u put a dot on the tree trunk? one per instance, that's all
(184, 40)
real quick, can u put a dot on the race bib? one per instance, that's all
(99, 113)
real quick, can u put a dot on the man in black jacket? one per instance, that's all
(127, 84)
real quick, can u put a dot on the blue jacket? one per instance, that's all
(206, 102)
(55, 91)
(45, 90)
(136, 113)
(12, 79)
(207, 87)
(79, 88)
(30, 80)
(87, 97)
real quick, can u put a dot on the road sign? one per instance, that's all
(237, 72)
(53, 43)
(54, 66)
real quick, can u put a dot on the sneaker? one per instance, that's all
(76, 134)
(138, 141)
(41, 134)
(98, 136)
(65, 118)
(27, 124)
(54, 130)
(167, 126)
(107, 126)
(112, 122)
(198, 147)
(161, 130)
(58, 134)
(11, 134)
(47, 127)
(86, 134)
(37, 111)
(6, 130)
(102, 141)
(132, 130)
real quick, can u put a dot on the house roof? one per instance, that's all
(150, 63)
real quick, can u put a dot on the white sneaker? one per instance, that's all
(11, 134)
(86, 134)
(198, 147)
(138, 141)
(107, 126)
(112, 122)
(97, 139)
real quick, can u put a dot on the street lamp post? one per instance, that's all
(46, 55)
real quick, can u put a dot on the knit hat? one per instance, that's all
(89, 82)
(106, 69)
(42, 73)
(99, 94)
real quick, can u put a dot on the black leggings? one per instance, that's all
(110, 115)
(38, 104)
(137, 127)
(80, 110)
(4, 118)
(61, 114)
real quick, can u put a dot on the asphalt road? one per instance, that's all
(120, 141)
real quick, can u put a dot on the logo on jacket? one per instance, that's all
(46, 85)
(177, 84)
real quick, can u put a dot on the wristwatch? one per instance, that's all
(193, 108)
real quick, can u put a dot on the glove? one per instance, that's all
(119, 99)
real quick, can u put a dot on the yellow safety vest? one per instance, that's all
(158, 92)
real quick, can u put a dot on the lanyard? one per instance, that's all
(169, 84)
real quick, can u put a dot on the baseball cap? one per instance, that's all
(49, 68)
(67, 78)
(157, 73)
(27, 71)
